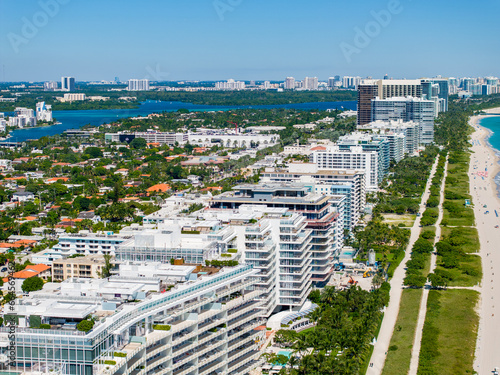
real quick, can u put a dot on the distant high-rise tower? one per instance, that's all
(138, 85)
(68, 83)
(289, 83)
(50, 86)
(310, 83)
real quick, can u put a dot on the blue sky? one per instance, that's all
(246, 39)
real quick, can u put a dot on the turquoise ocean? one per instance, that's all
(493, 125)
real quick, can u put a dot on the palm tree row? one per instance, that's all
(346, 322)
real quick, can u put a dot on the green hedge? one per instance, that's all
(161, 327)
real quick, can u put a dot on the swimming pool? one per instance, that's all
(286, 353)
(348, 253)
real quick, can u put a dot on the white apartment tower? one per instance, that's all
(289, 83)
(68, 84)
(43, 112)
(138, 85)
(354, 158)
(310, 83)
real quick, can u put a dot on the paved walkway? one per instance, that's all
(415, 352)
(391, 311)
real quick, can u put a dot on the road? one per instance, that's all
(392, 310)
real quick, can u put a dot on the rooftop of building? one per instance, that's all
(82, 260)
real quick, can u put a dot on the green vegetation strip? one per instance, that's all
(399, 355)
(347, 321)
(449, 334)
(457, 191)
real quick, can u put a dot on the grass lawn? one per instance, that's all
(464, 218)
(470, 236)
(399, 355)
(394, 260)
(430, 228)
(394, 219)
(471, 265)
(449, 335)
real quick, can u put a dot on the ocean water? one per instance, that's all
(493, 124)
(77, 119)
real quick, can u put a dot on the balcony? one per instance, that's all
(242, 319)
(247, 365)
(258, 257)
(243, 360)
(241, 350)
(155, 363)
(243, 330)
(243, 309)
(211, 324)
(184, 347)
(183, 370)
(208, 336)
(211, 367)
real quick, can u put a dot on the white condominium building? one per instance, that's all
(419, 110)
(410, 130)
(310, 83)
(43, 112)
(138, 85)
(289, 83)
(73, 97)
(354, 158)
(201, 327)
(348, 183)
(230, 84)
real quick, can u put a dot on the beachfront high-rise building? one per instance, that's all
(439, 88)
(43, 112)
(138, 85)
(369, 142)
(409, 129)
(419, 110)
(325, 222)
(68, 84)
(347, 183)
(203, 326)
(384, 88)
(289, 83)
(366, 92)
(354, 158)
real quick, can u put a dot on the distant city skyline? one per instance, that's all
(222, 39)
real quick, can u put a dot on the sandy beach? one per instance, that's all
(486, 205)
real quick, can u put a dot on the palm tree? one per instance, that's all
(377, 280)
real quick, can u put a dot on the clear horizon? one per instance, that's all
(212, 40)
